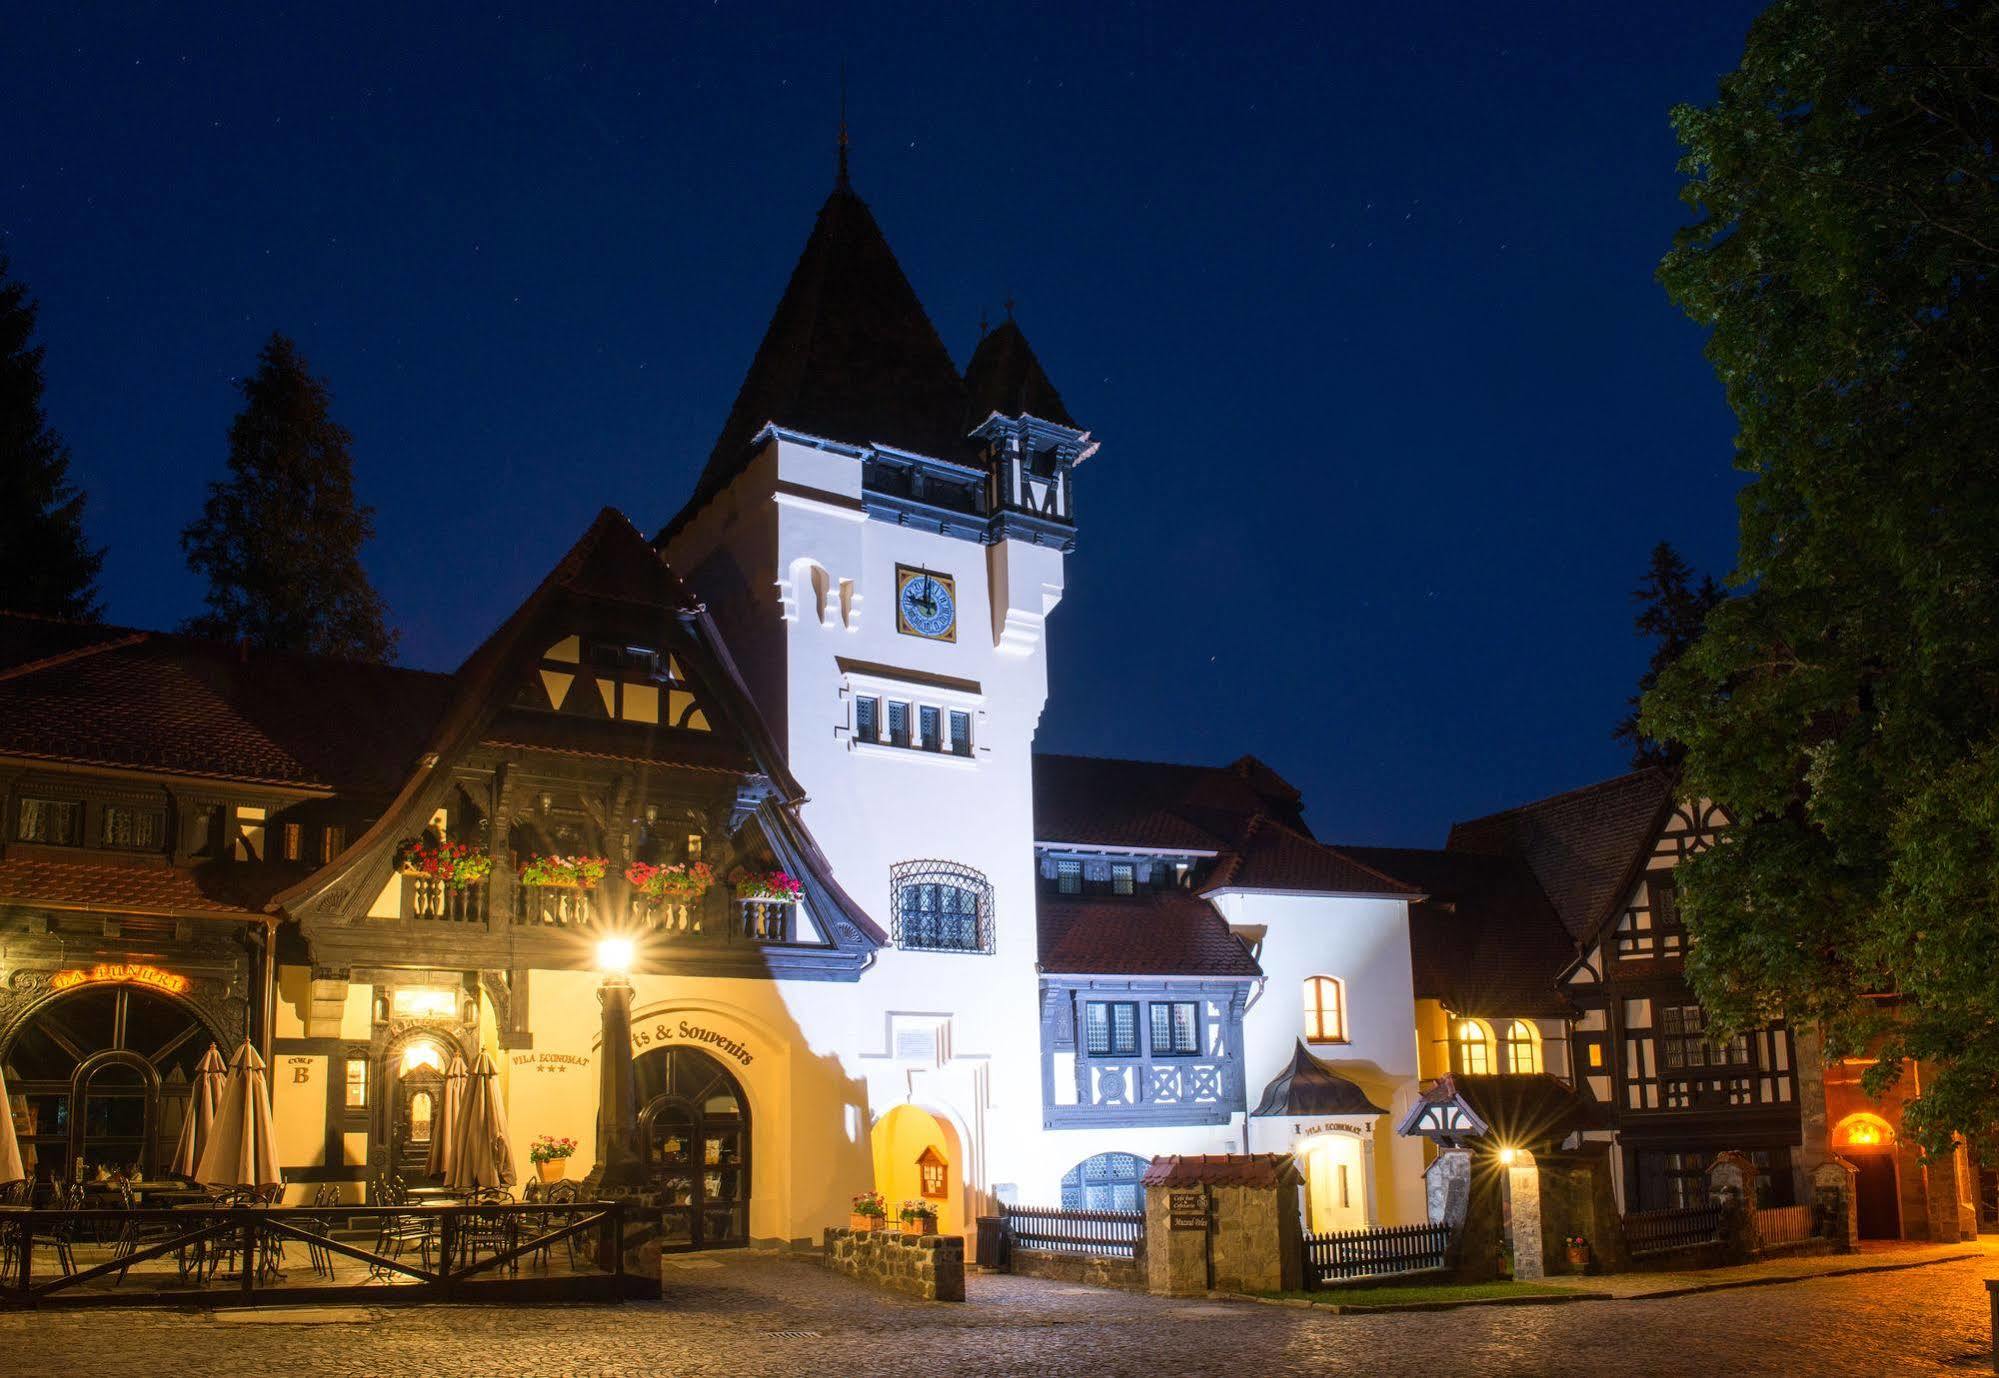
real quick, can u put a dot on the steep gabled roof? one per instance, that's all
(1100, 801)
(1005, 377)
(1584, 846)
(849, 354)
(119, 697)
(1485, 941)
(1156, 933)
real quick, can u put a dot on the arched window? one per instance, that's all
(1106, 1182)
(1473, 1041)
(1523, 1047)
(940, 906)
(1325, 1010)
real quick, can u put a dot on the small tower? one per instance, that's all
(1032, 445)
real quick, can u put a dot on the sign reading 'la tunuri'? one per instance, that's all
(173, 983)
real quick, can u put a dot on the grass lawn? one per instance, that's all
(1438, 1292)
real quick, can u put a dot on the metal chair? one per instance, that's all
(400, 1232)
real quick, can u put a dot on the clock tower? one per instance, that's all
(881, 539)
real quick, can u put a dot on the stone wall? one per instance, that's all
(1125, 1274)
(928, 1266)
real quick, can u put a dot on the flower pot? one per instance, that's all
(551, 1171)
(1579, 1257)
(864, 1224)
(922, 1225)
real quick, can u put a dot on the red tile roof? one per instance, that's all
(1221, 1170)
(1583, 846)
(213, 888)
(1273, 857)
(159, 701)
(1155, 933)
(1486, 942)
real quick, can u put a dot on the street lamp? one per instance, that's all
(618, 1162)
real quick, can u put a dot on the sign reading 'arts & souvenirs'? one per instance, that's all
(663, 1031)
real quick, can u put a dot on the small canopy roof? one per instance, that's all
(1517, 1110)
(1309, 1087)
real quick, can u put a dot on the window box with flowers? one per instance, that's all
(919, 1217)
(870, 1212)
(550, 1156)
(1577, 1248)
(557, 890)
(665, 896)
(767, 900)
(443, 880)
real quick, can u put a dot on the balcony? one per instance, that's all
(429, 899)
(710, 920)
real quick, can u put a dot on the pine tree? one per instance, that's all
(45, 565)
(280, 539)
(1672, 610)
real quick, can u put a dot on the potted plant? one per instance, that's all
(564, 872)
(550, 1157)
(919, 1217)
(457, 865)
(1578, 1252)
(766, 885)
(869, 1211)
(678, 883)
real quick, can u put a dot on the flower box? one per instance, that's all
(454, 864)
(564, 872)
(766, 885)
(922, 1224)
(676, 883)
(864, 1224)
(551, 1171)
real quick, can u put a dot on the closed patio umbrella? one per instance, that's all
(10, 1147)
(481, 1158)
(444, 1127)
(204, 1098)
(242, 1150)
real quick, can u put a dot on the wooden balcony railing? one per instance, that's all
(430, 899)
(711, 919)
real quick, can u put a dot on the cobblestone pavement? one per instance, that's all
(766, 1315)
(1871, 1257)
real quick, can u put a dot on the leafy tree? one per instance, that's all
(1845, 705)
(280, 539)
(45, 565)
(1672, 610)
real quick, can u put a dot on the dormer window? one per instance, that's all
(53, 822)
(1069, 877)
(1123, 878)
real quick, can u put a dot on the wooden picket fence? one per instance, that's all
(1369, 1253)
(1784, 1225)
(1101, 1234)
(1677, 1227)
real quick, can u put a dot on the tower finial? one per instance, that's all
(841, 183)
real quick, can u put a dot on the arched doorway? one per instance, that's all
(1336, 1182)
(918, 1158)
(103, 1074)
(417, 1107)
(694, 1130)
(1868, 1142)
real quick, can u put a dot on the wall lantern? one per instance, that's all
(931, 1170)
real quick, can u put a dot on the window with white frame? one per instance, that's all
(1325, 1009)
(1522, 1046)
(1474, 1046)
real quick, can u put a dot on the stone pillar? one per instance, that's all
(1577, 1200)
(1523, 1194)
(1808, 1052)
(1835, 1209)
(1223, 1222)
(326, 1003)
(1447, 1186)
(1943, 1195)
(1731, 1181)
(1177, 1223)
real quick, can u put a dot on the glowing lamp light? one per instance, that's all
(1864, 1134)
(614, 956)
(1506, 1156)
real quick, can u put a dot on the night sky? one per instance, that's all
(1357, 297)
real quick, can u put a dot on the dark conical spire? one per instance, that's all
(1005, 377)
(840, 182)
(849, 353)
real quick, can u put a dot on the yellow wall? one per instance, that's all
(1433, 1040)
(899, 1139)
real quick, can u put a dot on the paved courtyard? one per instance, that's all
(764, 1315)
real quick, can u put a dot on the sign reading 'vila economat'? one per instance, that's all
(173, 983)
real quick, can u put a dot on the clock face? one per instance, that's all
(925, 604)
